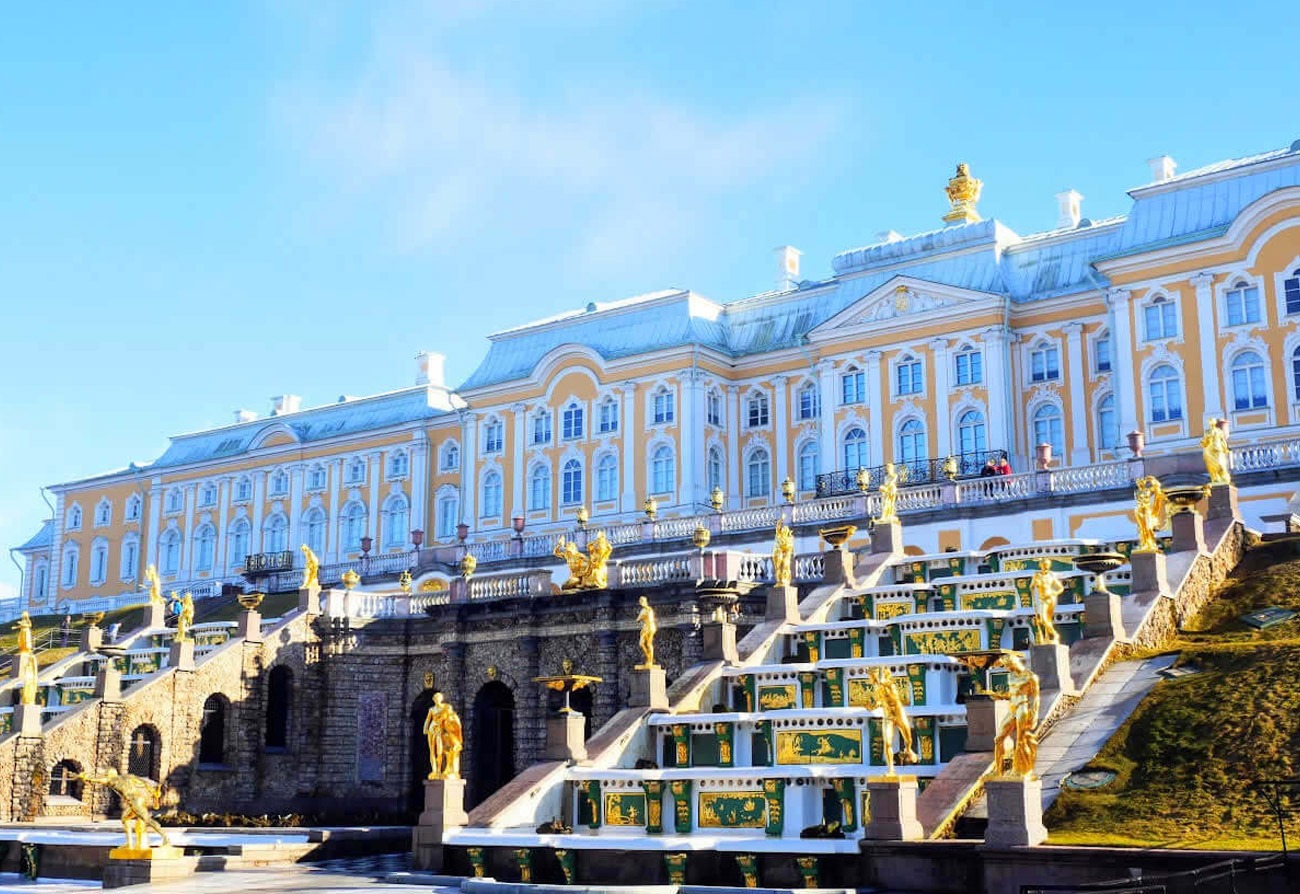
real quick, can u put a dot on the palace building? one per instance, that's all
(1098, 339)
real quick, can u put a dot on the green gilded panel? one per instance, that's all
(776, 698)
(887, 610)
(995, 626)
(654, 803)
(724, 732)
(819, 747)
(833, 692)
(943, 642)
(733, 810)
(774, 791)
(857, 638)
(747, 684)
(923, 732)
(681, 792)
(807, 689)
(916, 679)
(589, 804)
(625, 809)
(1025, 592)
(999, 601)
(845, 793)
(812, 641)
(862, 693)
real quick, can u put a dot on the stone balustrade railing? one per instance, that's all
(1268, 455)
(996, 488)
(660, 570)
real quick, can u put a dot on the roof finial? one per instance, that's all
(963, 192)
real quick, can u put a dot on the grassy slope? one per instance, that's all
(1186, 756)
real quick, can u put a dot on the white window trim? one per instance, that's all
(962, 351)
(76, 517)
(1144, 391)
(483, 434)
(1102, 334)
(108, 519)
(750, 453)
(662, 388)
(854, 369)
(1229, 284)
(901, 421)
(910, 355)
(1043, 342)
(1031, 412)
(126, 571)
(405, 471)
(1279, 292)
(758, 395)
(1230, 355)
(444, 451)
(1175, 298)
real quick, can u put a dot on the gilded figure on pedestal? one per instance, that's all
(889, 495)
(446, 738)
(184, 606)
(28, 672)
(1214, 449)
(589, 571)
(1151, 512)
(154, 584)
(1047, 589)
(885, 696)
(783, 555)
(646, 638)
(311, 567)
(139, 797)
(1021, 725)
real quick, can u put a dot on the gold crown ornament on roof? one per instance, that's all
(963, 194)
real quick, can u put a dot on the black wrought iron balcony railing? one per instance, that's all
(921, 471)
(266, 563)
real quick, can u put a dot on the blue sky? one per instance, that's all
(208, 204)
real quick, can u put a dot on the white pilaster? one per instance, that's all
(150, 535)
(781, 425)
(826, 418)
(294, 506)
(187, 547)
(222, 522)
(1122, 359)
(1076, 372)
(1207, 324)
(692, 435)
(372, 515)
(255, 542)
(517, 506)
(334, 468)
(419, 473)
(625, 431)
(942, 402)
(468, 465)
(735, 497)
(999, 388)
(876, 390)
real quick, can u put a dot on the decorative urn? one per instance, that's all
(250, 601)
(716, 498)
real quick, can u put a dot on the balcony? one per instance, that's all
(268, 563)
(921, 471)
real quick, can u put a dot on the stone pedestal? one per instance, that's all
(1223, 502)
(783, 604)
(157, 616)
(27, 721)
(249, 626)
(984, 717)
(108, 683)
(887, 537)
(649, 689)
(1051, 662)
(91, 638)
(309, 600)
(1015, 812)
(444, 809)
(1102, 616)
(839, 568)
(893, 809)
(1189, 531)
(1149, 573)
(181, 655)
(565, 737)
(158, 864)
(720, 642)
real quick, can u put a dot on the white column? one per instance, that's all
(1076, 372)
(942, 401)
(1207, 324)
(517, 505)
(876, 390)
(223, 514)
(998, 385)
(294, 507)
(735, 496)
(372, 516)
(187, 535)
(826, 418)
(419, 480)
(468, 465)
(255, 544)
(628, 503)
(56, 549)
(781, 425)
(334, 468)
(1122, 358)
(150, 533)
(691, 426)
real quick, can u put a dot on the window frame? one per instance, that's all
(1173, 317)
(1045, 362)
(573, 422)
(1169, 413)
(758, 410)
(914, 367)
(974, 358)
(758, 473)
(853, 386)
(571, 482)
(1254, 375)
(1243, 295)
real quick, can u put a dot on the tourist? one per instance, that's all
(1004, 467)
(66, 630)
(113, 630)
(990, 469)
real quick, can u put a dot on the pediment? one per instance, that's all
(903, 300)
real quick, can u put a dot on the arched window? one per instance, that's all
(758, 473)
(450, 457)
(208, 495)
(756, 407)
(608, 416)
(1049, 429)
(313, 529)
(715, 469)
(1249, 383)
(855, 449)
(571, 483)
(169, 551)
(74, 518)
(279, 485)
(663, 471)
(398, 464)
(353, 523)
(971, 434)
(65, 780)
(911, 442)
(607, 478)
(275, 536)
(539, 488)
(279, 703)
(71, 553)
(103, 513)
(572, 422)
(1165, 391)
(491, 495)
(98, 561)
(1291, 290)
(240, 538)
(1107, 423)
(810, 405)
(205, 547)
(133, 507)
(397, 520)
(1243, 304)
(142, 752)
(448, 515)
(808, 465)
(212, 731)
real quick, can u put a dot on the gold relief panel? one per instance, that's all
(625, 809)
(733, 810)
(776, 698)
(819, 746)
(943, 642)
(861, 692)
(1005, 601)
(887, 610)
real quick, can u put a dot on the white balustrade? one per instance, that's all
(489, 550)
(810, 567)
(1269, 455)
(622, 534)
(925, 496)
(640, 573)
(674, 528)
(1102, 476)
(751, 519)
(996, 488)
(755, 569)
(826, 509)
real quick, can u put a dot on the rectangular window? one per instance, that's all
(908, 376)
(853, 387)
(1045, 364)
(493, 438)
(1243, 305)
(1102, 351)
(608, 417)
(758, 416)
(1248, 388)
(1291, 288)
(664, 410)
(542, 428)
(713, 408)
(571, 425)
(970, 368)
(1161, 318)
(810, 405)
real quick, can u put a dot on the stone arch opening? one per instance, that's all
(494, 740)
(143, 752)
(279, 702)
(212, 732)
(420, 762)
(64, 781)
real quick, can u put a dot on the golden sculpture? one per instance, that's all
(862, 479)
(184, 615)
(1047, 589)
(1151, 513)
(28, 671)
(586, 572)
(1218, 458)
(889, 495)
(404, 581)
(884, 695)
(155, 585)
(350, 579)
(783, 555)
(139, 797)
(950, 467)
(446, 739)
(1022, 720)
(963, 193)
(646, 638)
(311, 568)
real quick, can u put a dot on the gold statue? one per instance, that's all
(963, 193)
(1151, 513)
(586, 572)
(446, 739)
(1046, 589)
(1218, 458)
(889, 495)
(884, 695)
(155, 585)
(783, 555)
(1022, 720)
(404, 581)
(184, 615)
(28, 671)
(646, 639)
(311, 568)
(138, 797)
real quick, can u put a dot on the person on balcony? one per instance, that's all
(1004, 467)
(990, 469)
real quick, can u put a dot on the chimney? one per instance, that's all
(428, 369)
(886, 236)
(245, 416)
(1162, 168)
(284, 404)
(1069, 209)
(787, 267)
